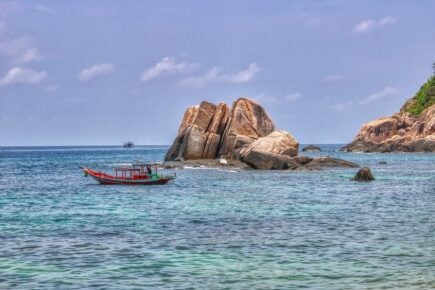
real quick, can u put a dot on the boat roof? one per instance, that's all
(145, 164)
(127, 169)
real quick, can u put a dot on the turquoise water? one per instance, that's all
(214, 229)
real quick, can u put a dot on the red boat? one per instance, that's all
(137, 174)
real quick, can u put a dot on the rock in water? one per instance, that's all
(247, 122)
(215, 135)
(271, 152)
(364, 174)
(199, 133)
(311, 148)
(411, 130)
(209, 131)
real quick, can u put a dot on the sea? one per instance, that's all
(214, 228)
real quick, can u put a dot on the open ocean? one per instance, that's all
(214, 229)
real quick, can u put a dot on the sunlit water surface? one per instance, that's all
(214, 228)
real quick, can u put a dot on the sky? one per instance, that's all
(104, 72)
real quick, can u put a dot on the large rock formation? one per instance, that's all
(401, 132)
(247, 122)
(411, 130)
(200, 132)
(208, 131)
(243, 135)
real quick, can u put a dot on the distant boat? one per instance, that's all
(128, 144)
(137, 174)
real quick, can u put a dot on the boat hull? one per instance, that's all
(107, 179)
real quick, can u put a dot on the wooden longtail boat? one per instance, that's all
(137, 174)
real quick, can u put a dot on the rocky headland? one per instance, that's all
(410, 130)
(242, 136)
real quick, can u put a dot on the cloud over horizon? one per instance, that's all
(385, 93)
(370, 24)
(290, 98)
(97, 70)
(215, 75)
(168, 66)
(19, 50)
(19, 75)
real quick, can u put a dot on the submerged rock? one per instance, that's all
(311, 148)
(364, 174)
(323, 162)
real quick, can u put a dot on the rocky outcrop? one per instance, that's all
(200, 132)
(401, 132)
(208, 131)
(247, 122)
(364, 174)
(244, 136)
(311, 148)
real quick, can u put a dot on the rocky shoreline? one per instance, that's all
(410, 130)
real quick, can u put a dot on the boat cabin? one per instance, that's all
(137, 171)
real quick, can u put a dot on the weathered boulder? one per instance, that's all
(364, 174)
(266, 160)
(199, 133)
(271, 152)
(311, 148)
(247, 122)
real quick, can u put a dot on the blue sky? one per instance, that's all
(103, 72)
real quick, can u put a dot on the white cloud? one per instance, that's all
(200, 81)
(45, 9)
(18, 75)
(290, 98)
(370, 24)
(215, 75)
(386, 92)
(94, 71)
(19, 50)
(293, 97)
(342, 106)
(332, 78)
(243, 76)
(168, 66)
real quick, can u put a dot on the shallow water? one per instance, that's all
(214, 228)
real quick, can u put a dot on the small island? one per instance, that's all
(244, 136)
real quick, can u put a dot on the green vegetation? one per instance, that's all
(424, 98)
